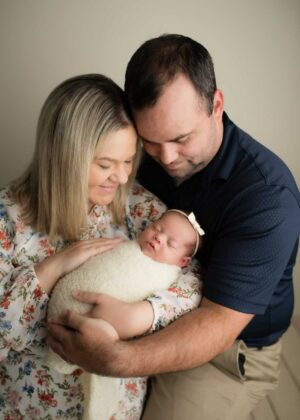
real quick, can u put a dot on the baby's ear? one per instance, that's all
(184, 261)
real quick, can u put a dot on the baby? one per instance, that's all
(131, 271)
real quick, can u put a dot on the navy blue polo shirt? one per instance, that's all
(248, 203)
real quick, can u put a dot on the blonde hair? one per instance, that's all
(53, 192)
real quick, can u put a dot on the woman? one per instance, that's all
(75, 200)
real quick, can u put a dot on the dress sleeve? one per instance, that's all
(185, 293)
(181, 297)
(22, 301)
(143, 208)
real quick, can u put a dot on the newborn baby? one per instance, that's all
(131, 271)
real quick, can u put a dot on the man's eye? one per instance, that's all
(183, 140)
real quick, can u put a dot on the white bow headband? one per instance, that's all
(198, 229)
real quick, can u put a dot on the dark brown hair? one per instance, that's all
(159, 60)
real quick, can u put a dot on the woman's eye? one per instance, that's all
(128, 162)
(104, 166)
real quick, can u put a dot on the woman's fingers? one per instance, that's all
(57, 265)
(69, 319)
(86, 297)
(78, 253)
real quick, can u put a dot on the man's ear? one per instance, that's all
(218, 105)
(184, 261)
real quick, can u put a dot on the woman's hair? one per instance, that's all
(159, 60)
(53, 192)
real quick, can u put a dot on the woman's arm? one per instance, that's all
(22, 300)
(183, 296)
(26, 281)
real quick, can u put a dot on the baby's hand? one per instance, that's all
(129, 319)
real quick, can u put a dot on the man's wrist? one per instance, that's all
(119, 361)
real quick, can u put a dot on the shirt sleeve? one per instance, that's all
(22, 301)
(185, 293)
(254, 250)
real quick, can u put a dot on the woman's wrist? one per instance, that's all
(48, 272)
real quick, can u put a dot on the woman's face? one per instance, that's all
(111, 166)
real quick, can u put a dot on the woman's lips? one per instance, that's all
(108, 188)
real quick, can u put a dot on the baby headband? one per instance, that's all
(192, 219)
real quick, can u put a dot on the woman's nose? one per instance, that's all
(121, 175)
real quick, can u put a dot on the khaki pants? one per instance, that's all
(227, 388)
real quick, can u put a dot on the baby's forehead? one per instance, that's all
(174, 215)
(178, 219)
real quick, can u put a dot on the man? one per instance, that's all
(220, 360)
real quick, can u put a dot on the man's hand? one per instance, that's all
(89, 343)
(128, 319)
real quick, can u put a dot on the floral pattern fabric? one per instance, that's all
(29, 389)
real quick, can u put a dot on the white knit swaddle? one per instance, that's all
(124, 273)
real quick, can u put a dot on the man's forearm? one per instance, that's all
(191, 341)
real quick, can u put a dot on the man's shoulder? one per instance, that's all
(260, 164)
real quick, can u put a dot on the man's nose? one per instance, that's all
(168, 153)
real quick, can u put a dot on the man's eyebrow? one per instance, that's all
(181, 136)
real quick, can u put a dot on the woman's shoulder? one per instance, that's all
(6, 199)
(9, 209)
(142, 208)
(5, 194)
(138, 192)
(142, 202)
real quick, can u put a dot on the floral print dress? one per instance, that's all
(29, 389)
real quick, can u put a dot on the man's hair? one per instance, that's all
(159, 60)
(76, 116)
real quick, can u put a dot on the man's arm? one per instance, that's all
(190, 341)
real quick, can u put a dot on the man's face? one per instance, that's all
(178, 132)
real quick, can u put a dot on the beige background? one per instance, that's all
(255, 46)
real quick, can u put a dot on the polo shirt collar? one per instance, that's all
(222, 165)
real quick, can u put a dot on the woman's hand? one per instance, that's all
(52, 268)
(128, 319)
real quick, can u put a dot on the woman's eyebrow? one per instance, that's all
(105, 158)
(111, 159)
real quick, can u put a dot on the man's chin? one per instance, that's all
(178, 173)
(184, 172)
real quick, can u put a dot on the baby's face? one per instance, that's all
(169, 240)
